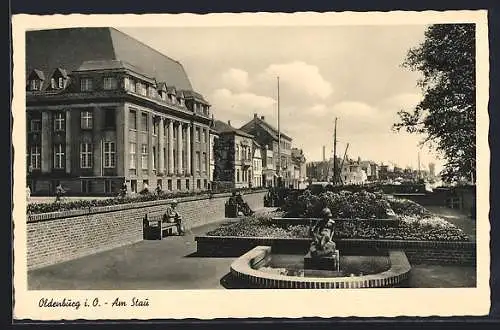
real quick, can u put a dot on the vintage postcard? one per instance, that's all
(251, 165)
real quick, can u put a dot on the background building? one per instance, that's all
(266, 135)
(233, 157)
(104, 109)
(353, 173)
(299, 164)
(257, 165)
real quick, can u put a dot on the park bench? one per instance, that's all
(158, 226)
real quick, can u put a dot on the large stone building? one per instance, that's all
(233, 157)
(267, 136)
(104, 109)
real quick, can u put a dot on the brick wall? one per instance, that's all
(61, 236)
(431, 252)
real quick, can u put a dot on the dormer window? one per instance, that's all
(86, 85)
(35, 85)
(57, 81)
(35, 80)
(110, 83)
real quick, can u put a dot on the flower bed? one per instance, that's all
(37, 208)
(430, 228)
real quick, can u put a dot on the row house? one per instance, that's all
(104, 111)
(234, 153)
(268, 137)
(299, 168)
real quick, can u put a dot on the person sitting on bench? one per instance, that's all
(172, 214)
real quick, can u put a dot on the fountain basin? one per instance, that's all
(247, 269)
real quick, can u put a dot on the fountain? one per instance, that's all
(322, 267)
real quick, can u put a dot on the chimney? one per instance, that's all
(324, 155)
(262, 117)
(229, 122)
(255, 115)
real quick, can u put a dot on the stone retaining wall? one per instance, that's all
(61, 236)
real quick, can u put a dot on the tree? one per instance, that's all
(447, 113)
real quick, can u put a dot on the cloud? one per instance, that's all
(403, 101)
(240, 105)
(300, 77)
(354, 109)
(235, 79)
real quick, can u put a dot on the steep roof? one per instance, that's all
(69, 48)
(221, 127)
(248, 127)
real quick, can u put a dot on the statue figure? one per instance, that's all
(322, 233)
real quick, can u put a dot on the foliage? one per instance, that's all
(447, 113)
(405, 207)
(410, 228)
(36, 208)
(260, 227)
(344, 204)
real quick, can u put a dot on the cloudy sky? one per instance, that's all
(350, 72)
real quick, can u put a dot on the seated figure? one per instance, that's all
(322, 233)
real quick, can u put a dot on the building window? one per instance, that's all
(133, 155)
(140, 88)
(179, 186)
(35, 85)
(133, 185)
(198, 184)
(144, 122)
(237, 175)
(109, 154)
(86, 155)
(205, 183)
(203, 136)
(86, 119)
(197, 134)
(132, 119)
(35, 157)
(60, 82)
(86, 85)
(156, 124)
(198, 161)
(159, 184)
(187, 184)
(59, 121)
(35, 125)
(110, 83)
(59, 160)
(237, 155)
(154, 158)
(86, 186)
(109, 118)
(169, 184)
(204, 162)
(144, 156)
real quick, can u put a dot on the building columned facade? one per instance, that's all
(104, 110)
(267, 136)
(233, 157)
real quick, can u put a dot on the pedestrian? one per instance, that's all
(59, 192)
(174, 216)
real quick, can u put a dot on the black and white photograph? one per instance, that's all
(228, 162)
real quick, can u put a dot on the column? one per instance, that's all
(150, 148)
(188, 149)
(170, 147)
(161, 145)
(46, 142)
(179, 148)
(68, 141)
